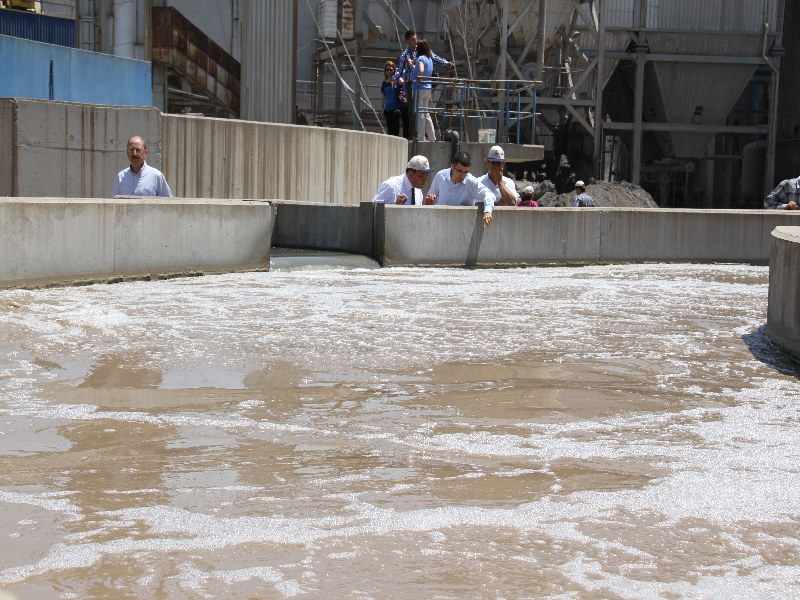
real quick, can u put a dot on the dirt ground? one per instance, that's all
(622, 195)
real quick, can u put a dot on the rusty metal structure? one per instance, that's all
(189, 54)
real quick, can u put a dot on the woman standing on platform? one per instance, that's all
(391, 100)
(423, 91)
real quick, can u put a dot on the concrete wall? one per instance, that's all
(61, 149)
(220, 158)
(47, 239)
(783, 313)
(456, 236)
(77, 75)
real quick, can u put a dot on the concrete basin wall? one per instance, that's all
(69, 150)
(456, 236)
(783, 313)
(324, 227)
(55, 239)
(224, 158)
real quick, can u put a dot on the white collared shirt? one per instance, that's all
(390, 189)
(488, 183)
(467, 193)
(147, 182)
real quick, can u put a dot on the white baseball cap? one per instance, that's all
(580, 184)
(529, 190)
(496, 154)
(419, 163)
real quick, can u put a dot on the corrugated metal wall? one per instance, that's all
(77, 75)
(710, 15)
(38, 28)
(269, 60)
(787, 159)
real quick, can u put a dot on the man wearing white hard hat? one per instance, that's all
(402, 189)
(582, 199)
(503, 188)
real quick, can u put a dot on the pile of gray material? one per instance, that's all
(605, 194)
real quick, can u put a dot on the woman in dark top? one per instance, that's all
(391, 102)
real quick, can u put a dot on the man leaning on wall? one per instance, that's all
(140, 179)
(784, 197)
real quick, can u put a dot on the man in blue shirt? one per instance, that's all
(456, 186)
(405, 67)
(582, 199)
(140, 179)
(784, 197)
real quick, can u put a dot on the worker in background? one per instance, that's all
(784, 197)
(456, 186)
(405, 67)
(527, 197)
(503, 188)
(402, 189)
(140, 179)
(582, 199)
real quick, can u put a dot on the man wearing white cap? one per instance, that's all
(456, 186)
(503, 188)
(402, 189)
(582, 199)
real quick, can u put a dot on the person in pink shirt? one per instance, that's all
(526, 198)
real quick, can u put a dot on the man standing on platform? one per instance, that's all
(405, 67)
(503, 188)
(140, 179)
(402, 189)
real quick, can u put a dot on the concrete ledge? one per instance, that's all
(783, 313)
(47, 240)
(518, 236)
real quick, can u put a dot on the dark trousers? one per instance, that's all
(393, 120)
(408, 113)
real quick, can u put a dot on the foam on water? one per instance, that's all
(623, 429)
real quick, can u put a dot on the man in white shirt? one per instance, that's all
(456, 186)
(140, 179)
(503, 188)
(402, 189)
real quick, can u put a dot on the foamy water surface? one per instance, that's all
(596, 432)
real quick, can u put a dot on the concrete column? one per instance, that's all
(124, 28)
(541, 44)
(340, 39)
(597, 159)
(358, 34)
(637, 116)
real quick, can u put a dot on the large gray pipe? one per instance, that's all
(541, 41)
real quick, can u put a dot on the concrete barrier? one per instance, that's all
(223, 158)
(518, 236)
(45, 240)
(62, 149)
(783, 313)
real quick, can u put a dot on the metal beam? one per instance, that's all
(586, 18)
(541, 35)
(358, 33)
(690, 128)
(372, 27)
(688, 58)
(540, 101)
(580, 119)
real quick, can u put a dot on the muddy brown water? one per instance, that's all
(597, 432)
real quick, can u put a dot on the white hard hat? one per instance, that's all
(496, 154)
(580, 184)
(419, 163)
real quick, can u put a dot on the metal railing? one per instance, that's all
(465, 99)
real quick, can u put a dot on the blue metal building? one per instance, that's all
(37, 28)
(50, 72)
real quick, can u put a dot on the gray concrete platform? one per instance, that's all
(783, 312)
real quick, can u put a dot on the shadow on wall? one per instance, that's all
(768, 353)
